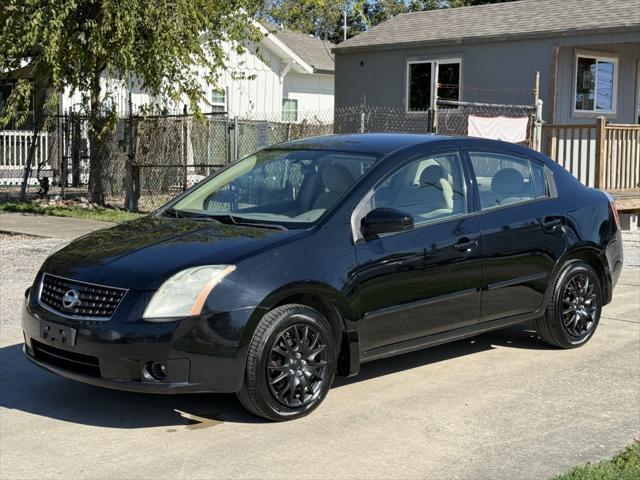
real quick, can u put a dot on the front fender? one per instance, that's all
(328, 295)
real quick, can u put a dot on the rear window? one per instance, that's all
(505, 179)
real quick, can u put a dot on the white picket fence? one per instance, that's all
(14, 149)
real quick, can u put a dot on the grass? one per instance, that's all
(624, 466)
(113, 215)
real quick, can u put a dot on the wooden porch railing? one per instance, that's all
(574, 147)
(14, 149)
(619, 147)
(601, 155)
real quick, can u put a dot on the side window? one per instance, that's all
(428, 189)
(504, 179)
(540, 187)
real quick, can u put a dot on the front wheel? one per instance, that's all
(573, 311)
(290, 364)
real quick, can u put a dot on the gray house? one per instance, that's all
(587, 53)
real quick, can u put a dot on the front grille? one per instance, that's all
(96, 302)
(75, 362)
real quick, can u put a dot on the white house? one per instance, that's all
(289, 76)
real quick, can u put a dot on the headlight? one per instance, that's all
(184, 294)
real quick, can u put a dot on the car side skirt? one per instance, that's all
(444, 337)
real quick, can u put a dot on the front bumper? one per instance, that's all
(202, 354)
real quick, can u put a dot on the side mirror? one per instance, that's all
(385, 220)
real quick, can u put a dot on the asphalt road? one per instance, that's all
(500, 405)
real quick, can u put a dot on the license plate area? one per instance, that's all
(55, 334)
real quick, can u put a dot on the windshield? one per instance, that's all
(281, 187)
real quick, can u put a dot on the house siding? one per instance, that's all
(628, 55)
(259, 93)
(252, 82)
(491, 72)
(313, 92)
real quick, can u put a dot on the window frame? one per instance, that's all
(215, 105)
(548, 176)
(363, 207)
(282, 112)
(598, 57)
(435, 63)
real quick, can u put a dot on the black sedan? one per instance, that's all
(308, 258)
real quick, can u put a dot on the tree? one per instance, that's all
(378, 11)
(163, 46)
(314, 17)
(320, 18)
(469, 3)
(324, 18)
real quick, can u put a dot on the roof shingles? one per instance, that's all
(314, 51)
(518, 18)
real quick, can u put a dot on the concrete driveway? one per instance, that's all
(48, 226)
(500, 405)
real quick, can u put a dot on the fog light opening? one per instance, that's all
(155, 371)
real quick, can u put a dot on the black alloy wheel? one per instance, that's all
(291, 363)
(573, 308)
(579, 305)
(297, 368)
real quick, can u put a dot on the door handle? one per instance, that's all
(550, 224)
(465, 245)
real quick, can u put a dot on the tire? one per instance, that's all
(573, 310)
(291, 364)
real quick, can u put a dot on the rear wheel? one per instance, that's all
(573, 311)
(290, 364)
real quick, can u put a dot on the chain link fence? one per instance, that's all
(452, 118)
(148, 160)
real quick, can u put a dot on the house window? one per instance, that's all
(449, 81)
(289, 110)
(218, 101)
(596, 79)
(421, 80)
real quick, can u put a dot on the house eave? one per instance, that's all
(320, 71)
(485, 39)
(282, 50)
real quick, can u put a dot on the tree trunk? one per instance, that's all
(38, 122)
(96, 152)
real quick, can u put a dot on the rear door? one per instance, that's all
(521, 230)
(424, 280)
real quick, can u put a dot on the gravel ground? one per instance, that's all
(631, 242)
(21, 257)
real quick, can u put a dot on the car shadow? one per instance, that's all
(519, 336)
(29, 389)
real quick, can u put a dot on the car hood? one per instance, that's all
(141, 254)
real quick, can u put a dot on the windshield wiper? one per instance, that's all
(222, 218)
(232, 220)
(172, 212)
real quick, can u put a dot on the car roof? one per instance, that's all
(379, 143)
(386, 143)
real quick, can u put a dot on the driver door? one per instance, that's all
(425, 280)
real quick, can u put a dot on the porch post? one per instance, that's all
(537, 127)
(601, 150)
